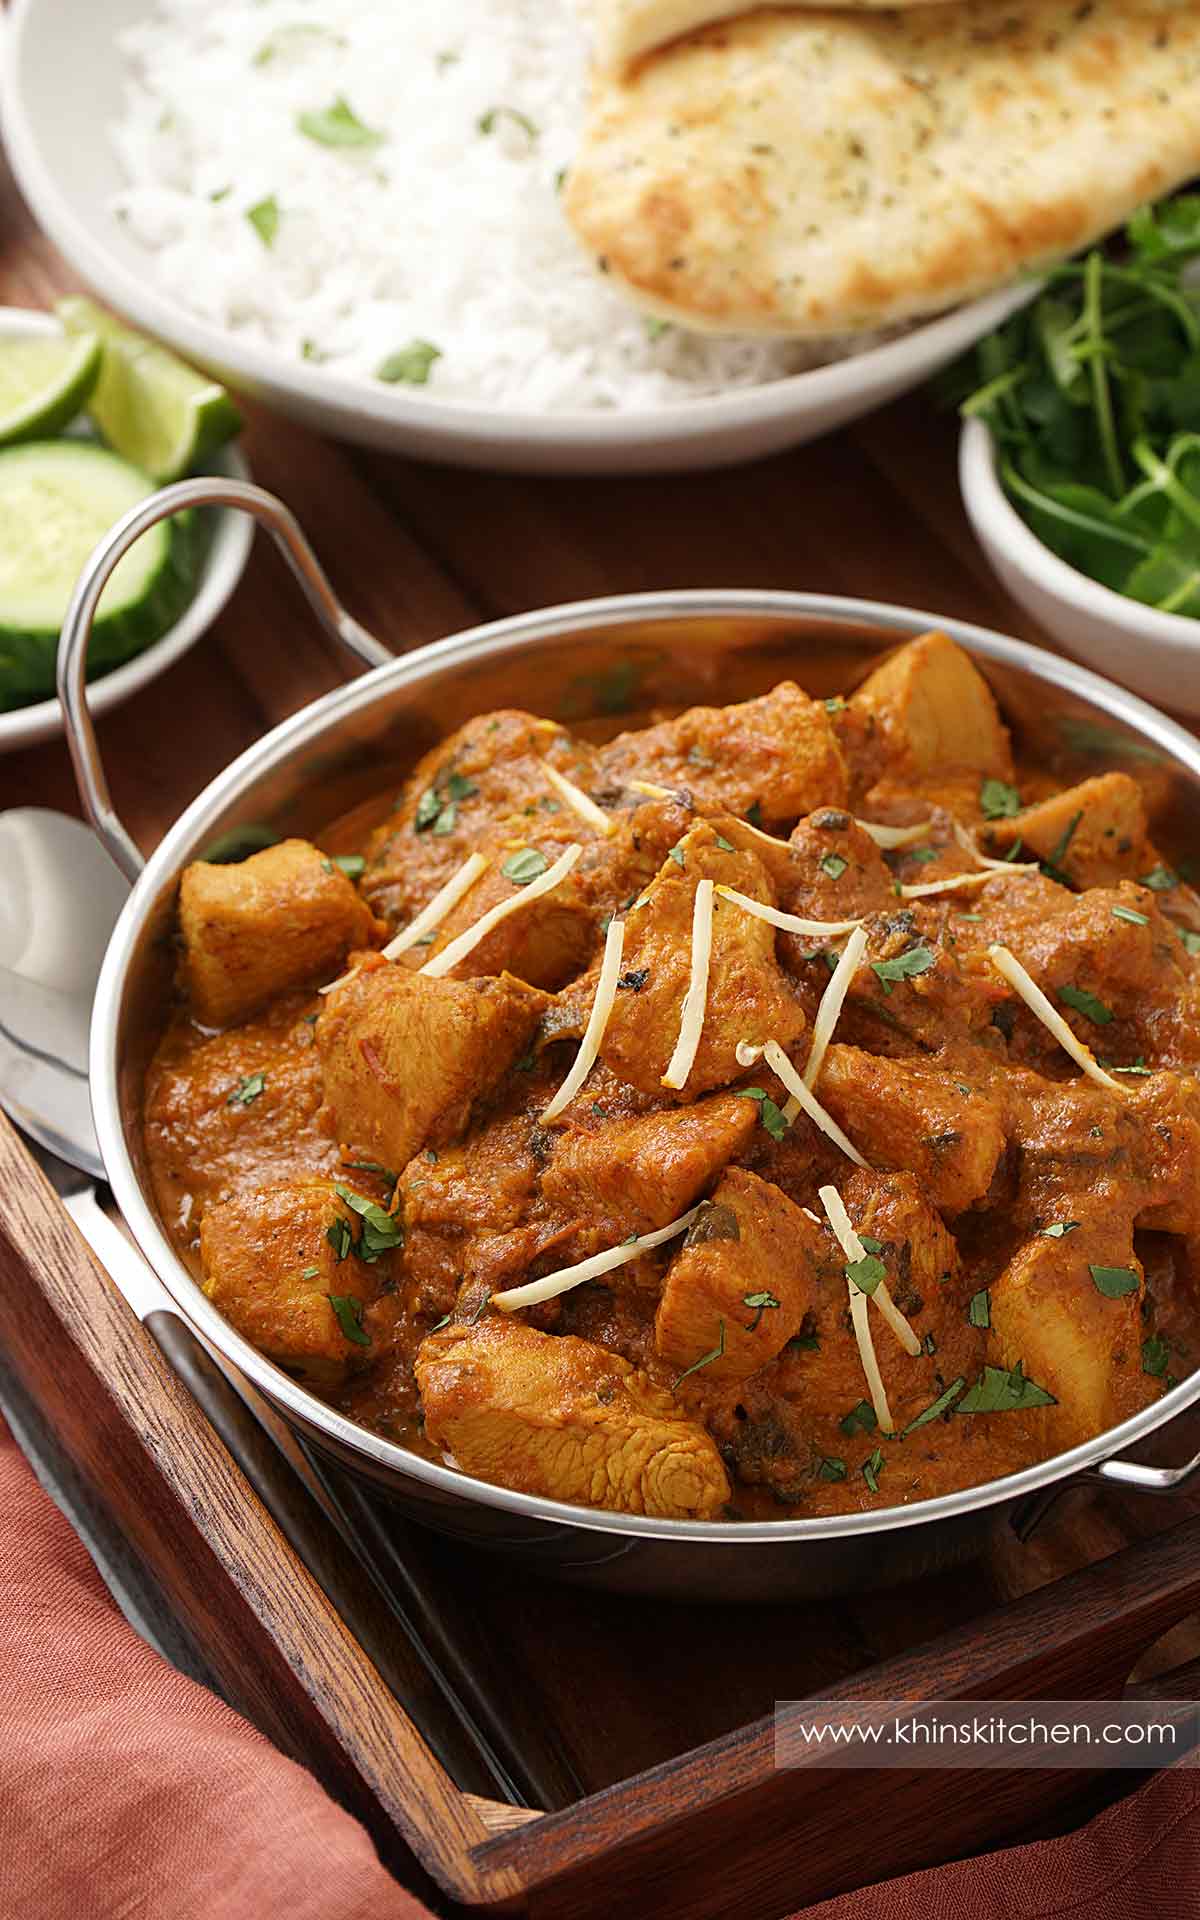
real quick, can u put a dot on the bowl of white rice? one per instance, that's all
(352, 211)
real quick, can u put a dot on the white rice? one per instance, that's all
(440, 232)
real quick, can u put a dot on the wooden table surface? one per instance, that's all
(419, 551)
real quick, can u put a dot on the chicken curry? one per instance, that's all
(782, 1109)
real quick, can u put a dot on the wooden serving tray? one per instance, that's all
(532, 1748)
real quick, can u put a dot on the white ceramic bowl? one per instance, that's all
(1152, 653)
(223, 566)
(60, 90)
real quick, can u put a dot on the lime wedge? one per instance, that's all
(44, 382)
(153, 409)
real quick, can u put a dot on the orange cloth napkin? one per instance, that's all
(127, 1792)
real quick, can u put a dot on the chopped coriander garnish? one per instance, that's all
(866, 1274)
(340, 1238)
(387, 1174)
(905, 966)
(860, 1419)
(706, 1359)
(1155, 1355)
(998, 801)
(922, 855)
(1087, 1004)
(835, 704)
(1191, 941)
(1057, 853)
(676, 854)
(487, 121)
(349, 1318)
(868, 1245)
(979, 1312)
(759, 1303)
(833, 865)
(439, 1324)
(998, 1391)
(754, 814)
(725, 845)
(1114, 1282)
(1160, 879)
(1131, 914)
(655, 328)
(351, 864)
(524, 866)
(381, 1232)
(310, 1273)
(829, 1468)
(936, 1407)
(871, 1468)
(247, 1090)
(473, 1318)
(264, 218)
(805, 1342)
(771, 1115)
(409, 366)
(338, 126)
(1139, 1066)
(1058, 1230)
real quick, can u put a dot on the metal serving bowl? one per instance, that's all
(586, 664)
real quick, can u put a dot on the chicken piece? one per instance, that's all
(907, 1115)
(225, 1109)
(1068, 1137)
(275, 1259)
(1078, 1336)
(920, 1255)
(741, 1283)
(749, 997)
(773, 758)
(631, 1176)
(932, 712)
(1094, 834)
(556, 1416)
(1165, 1108)
(488, 770)
(1110, 962)
(405, 1057)
(834, 871)
(284, 918)
(912, 988)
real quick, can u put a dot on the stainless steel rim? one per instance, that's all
(478, 643)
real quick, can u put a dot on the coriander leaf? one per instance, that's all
(676, 854)
(835, 704)
(772, 1117)
(439, 1324)
(979, 1312)
(906, 966)
(247, 1090)
(310, 1273)
(1058, 852)
(936, 1407)
(860, 1419)
(922, 855)
(1131, 914)
(1059, 1230)
(410, 366)
(1087, 1004)
(264, 218)
(999, 1391)
(428, 808)
(340, 1238)
(1114, 1282)
(705, 1360)
(349, 1317)
(871, 1468)
(866, 1274)
(1160, 879)
(338, 126)
(830, 1469)
(351, 864)
(760, 1302)
(833, 865)
(381, 1232)
(487, 121)
(998, 801)
(725, 845)
(1155, 1355)
(870, 1246)
(524, 866)
(1191, 941)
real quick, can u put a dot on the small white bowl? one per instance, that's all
(1152, 653)
(224, 564)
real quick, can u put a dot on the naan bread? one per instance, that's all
(822, 173)
(624, 30)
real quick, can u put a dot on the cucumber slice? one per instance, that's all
(150, 406)
(44, 383)
(57, 500)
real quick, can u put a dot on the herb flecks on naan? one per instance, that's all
(626, 30)
(816, 174)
